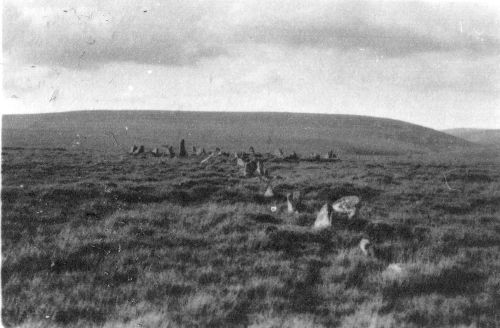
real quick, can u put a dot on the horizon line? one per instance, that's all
(239, 112)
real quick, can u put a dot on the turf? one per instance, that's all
(106, 239)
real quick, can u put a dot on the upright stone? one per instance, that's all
(155, 152)
(260, 169)
(323, 219)
(182, 150)
(249, 169)
(269, 192)
(171, 151)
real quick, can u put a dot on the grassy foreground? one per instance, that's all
(121, 241)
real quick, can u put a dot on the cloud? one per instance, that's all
(85, 36)
(392, 42)
(88, 33)
(388, 28)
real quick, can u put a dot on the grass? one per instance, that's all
(116, 131)
(121, 241)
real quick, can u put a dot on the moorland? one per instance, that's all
(94, 236)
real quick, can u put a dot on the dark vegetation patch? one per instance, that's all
(74, 313)
(455, 280)
(263, 218)
(470, 176)
(366, 193)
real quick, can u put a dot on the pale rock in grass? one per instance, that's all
(240, 162)
(323, 219)
(260, 169)
(395, 271)
(293, 202)
(365, 246)
(269, 192)
(155, 152)
(208, 158)
(396, 268)
(289, 204)
(346, 205)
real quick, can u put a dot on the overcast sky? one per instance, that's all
(431, 63)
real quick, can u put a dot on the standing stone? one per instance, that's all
(260, 169)
(269, 192)
(366, 247)
(249, 169)
(297, 199)
(315, 157)
(171, 151)
(155, 152)
(289, 204)
(323, 219)
(182, 150)
(240, 162)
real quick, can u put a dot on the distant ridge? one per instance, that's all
(489, 137)
(115, 131)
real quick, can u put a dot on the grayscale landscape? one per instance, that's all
(250, 163)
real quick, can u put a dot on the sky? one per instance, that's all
(431, 63)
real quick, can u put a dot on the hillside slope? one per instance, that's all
(481, 136)
(116, 131)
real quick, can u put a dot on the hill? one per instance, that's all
(93, 238)
(481, 136)
(116, 131)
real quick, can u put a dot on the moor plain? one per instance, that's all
(93, 236)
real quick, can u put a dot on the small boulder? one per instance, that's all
(269, 192)
(155, 152)
(323, 219)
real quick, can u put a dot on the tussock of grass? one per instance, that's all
(448, 277)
